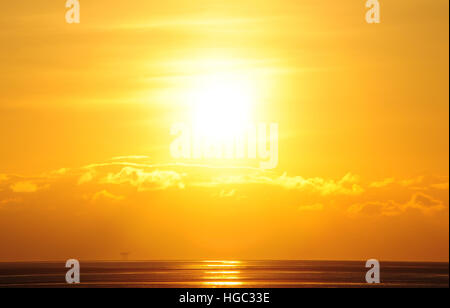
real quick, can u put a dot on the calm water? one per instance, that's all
(252, 274)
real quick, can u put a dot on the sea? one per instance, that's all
(223, 274)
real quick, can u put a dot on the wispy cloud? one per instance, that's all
(419, 201)
(137, 157)
(441, 186)
(105, 194)
(383, 183)
(311, 207)
(348, 185)
(119, 179)
(145, 180)
(24, 187)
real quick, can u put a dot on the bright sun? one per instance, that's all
(221, 105)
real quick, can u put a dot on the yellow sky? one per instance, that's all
(86, 111)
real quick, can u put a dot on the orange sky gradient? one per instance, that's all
(86, 112)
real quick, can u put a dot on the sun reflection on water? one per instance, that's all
(216, 277)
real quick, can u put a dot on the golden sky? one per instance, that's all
(86, 112)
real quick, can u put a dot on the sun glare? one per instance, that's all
(222, 105)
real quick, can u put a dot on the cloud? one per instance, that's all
(312, 207)
(10, 200)
(425, 203)
(104, 194)
(415, 183)
(169, 165)
(382, 183)
(24, 187)
(134, 157)
(137, 174)
(345, 186)
(419, 201)
(60, 171)
(144, 180)
(101, 181)
(411, 182)
(86, 177)
(227, 193)
(441, 186)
